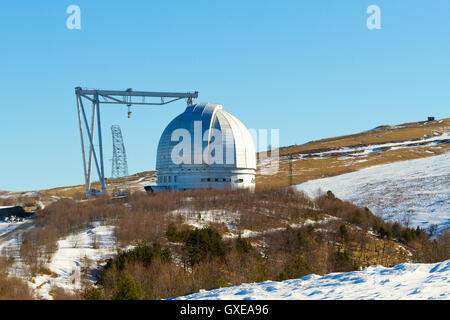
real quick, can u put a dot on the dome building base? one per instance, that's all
(193, 178)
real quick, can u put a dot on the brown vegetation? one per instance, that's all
(309, 168)
(12, 288)
(336, 245)
(294, 236)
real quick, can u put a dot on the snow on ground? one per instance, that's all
(416, 190)
(270, 165)
(368, 149)
(404, 281)
(203, 218)
(97, 244)
(6, 227)
(10, 241)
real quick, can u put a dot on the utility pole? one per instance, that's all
(290, 170)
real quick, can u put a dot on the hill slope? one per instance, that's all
(339, 155)
(404, 281)
(415, 192)
(388, 182)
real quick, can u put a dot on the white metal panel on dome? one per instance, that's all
(245, 150)
(222, 124)
(197, 120)
(250, 153)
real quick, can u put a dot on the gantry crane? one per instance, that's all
(126, 97)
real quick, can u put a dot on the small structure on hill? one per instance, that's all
(16, 211)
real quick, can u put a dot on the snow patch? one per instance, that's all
(96, 244)
(404, 281)
(416, 190)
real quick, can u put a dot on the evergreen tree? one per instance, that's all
(127, 289)
(94, 293)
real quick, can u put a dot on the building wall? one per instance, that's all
(197, 177)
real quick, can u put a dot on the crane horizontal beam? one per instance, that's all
(111, 96)
(126, 93)
(126, 97)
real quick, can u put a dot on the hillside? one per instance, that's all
(46, 196)
(405, 281)
(339, 155)
(414, 192)
(267, 235)
(388, 174)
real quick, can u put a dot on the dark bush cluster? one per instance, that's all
(199, 244)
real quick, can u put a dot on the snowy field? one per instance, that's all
(84, 249)
(203, 218)
(6, 227)
(404, 281)
(363, 151)
(415, 191)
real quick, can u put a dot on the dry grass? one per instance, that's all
(315, 168)
(13, 288)
(383, 134)
(135, 182)
(59, 293)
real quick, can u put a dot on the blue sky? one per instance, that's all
(309, 68)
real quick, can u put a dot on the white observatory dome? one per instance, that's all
(205, 147)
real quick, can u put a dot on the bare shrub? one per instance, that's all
(12, 288)
(59, 293)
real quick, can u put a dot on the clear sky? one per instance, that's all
(309, 68)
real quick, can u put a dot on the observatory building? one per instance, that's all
(205, 147)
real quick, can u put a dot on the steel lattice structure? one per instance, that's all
(126, 97)
(119, 171)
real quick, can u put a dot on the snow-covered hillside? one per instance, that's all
(404, 281)
(417, 190)
(6, 227)
(85, 248)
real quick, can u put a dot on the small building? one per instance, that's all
(16, 211)
(430, 118)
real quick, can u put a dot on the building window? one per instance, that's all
(240, 180)
(174, 178)
(217, 179)
(170, 179)
(209, 179)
